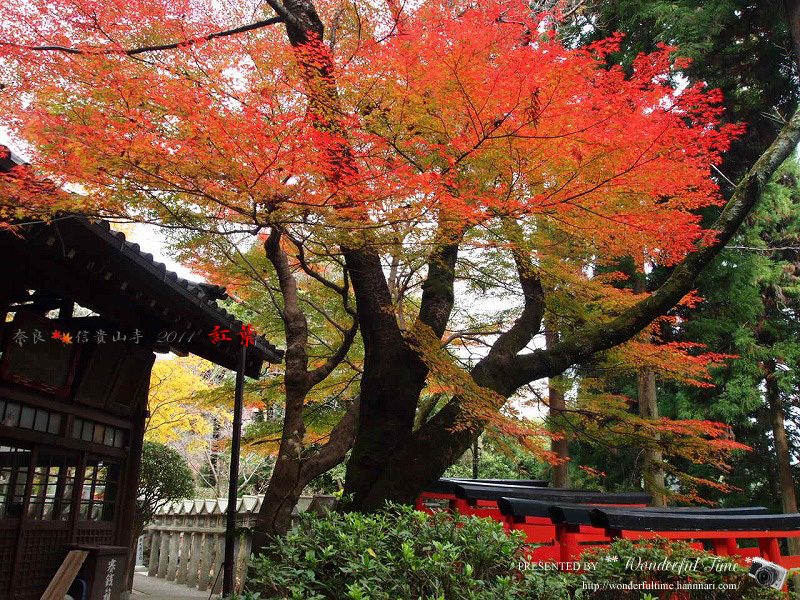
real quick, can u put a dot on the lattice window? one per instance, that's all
(8, 541)
(41, 553)
(52, 485)
(14, 465)
(99, 491)
(95, 537)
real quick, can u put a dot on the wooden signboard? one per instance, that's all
(29, 344)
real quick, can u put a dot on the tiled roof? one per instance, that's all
(203, 295)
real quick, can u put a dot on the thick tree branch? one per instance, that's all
(527, 325)
(337, 357)
(579, 346)
(144, 49)
(294, 321)
(340, 441)
(437, 290)
(379, 328)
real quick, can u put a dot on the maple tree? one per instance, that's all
(401, 143)
(296, 298)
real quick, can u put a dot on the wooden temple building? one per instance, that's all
(84, 312)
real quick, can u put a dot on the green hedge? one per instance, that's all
(697, 575)
(400, 554)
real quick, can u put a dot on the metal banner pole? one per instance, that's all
(233, 482)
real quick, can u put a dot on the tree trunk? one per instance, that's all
(296, 466)
(292, 473)
(283, 492)
(652, 472)
(475, 458)
(392, 380)
(782, 454)
(287, 481)
(559, 447)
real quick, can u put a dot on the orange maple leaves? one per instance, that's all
(453, 116)
(64, 337)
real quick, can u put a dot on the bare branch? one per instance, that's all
(144, 49)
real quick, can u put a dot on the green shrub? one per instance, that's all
(402, 554)
(395, 554)
(165, 476)
(677, 563)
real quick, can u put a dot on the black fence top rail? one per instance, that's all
(447, 485)
(579, 514)
(644, 521)
(582, 514)
(490, 491)
(539, 483)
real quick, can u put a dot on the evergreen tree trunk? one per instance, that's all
(782, 454)
(475, 458)
(559, 447)
(783, 457)
(652, 473)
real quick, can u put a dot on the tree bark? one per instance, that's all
(559, 447)
(652, 472)
(476, 457)
(393, 377)
(782, 453)
(292, 474)
(783, 457)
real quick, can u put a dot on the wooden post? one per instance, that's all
(721, 546)
(189, 547)
(567, 536)
(770, 549)
(194, 559)
(65, 575)
(174, 546)
(218, 560)
(183, 564)
(244, 560)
